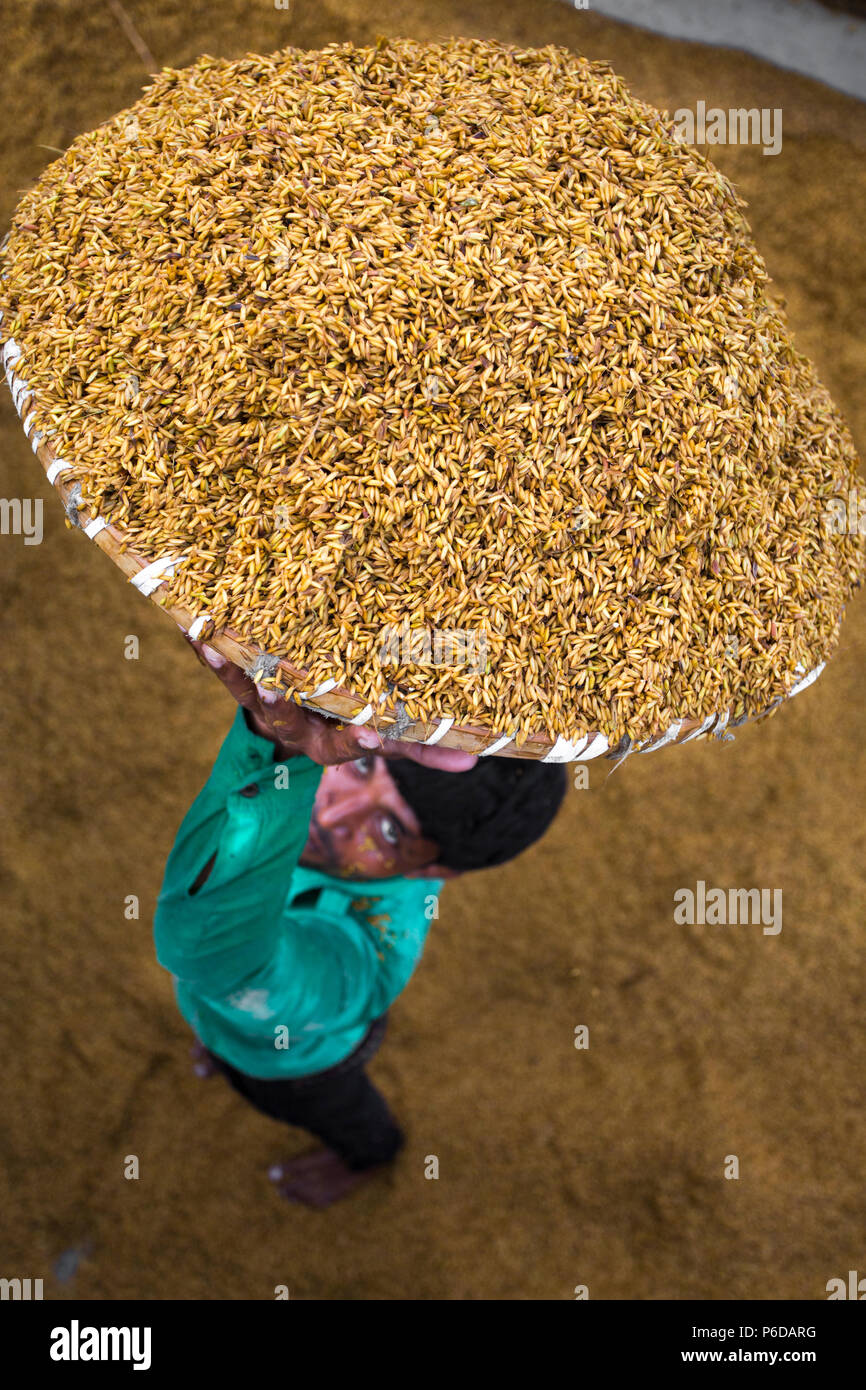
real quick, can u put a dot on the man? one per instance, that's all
(296, 903)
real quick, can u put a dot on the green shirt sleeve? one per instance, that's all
(230, 928)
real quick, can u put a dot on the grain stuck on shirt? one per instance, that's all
(457, 334)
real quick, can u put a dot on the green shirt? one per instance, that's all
(275, 987)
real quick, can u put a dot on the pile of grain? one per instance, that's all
(456, 333)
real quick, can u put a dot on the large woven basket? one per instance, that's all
(149, 575)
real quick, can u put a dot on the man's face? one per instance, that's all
(362, 828)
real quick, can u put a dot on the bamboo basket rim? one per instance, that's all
(339, 703)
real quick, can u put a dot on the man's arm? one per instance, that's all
(251, 829)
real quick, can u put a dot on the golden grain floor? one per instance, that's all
(557, 1167)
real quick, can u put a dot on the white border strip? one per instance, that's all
(365, 715)
(150, 578)
(665, 738)
(597, 746)
(495, 747)
(444, 726)
(564, 751)
(20, 392)
(807, 680)
(197, 625)
(702, 729)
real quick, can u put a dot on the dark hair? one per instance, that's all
(487, 815)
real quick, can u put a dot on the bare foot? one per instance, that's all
(318, 1178)
(203, 1067)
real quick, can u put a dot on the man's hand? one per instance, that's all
(297, 731)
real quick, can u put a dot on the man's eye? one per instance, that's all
(389, 830)
(364, 765)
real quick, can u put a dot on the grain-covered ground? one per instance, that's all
(557, 1167)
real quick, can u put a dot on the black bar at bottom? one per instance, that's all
(251, 1339)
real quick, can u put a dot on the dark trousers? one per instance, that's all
(340, 1105)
